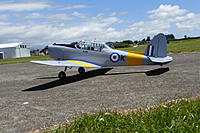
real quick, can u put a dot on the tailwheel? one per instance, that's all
(62, 75)
(81, 70)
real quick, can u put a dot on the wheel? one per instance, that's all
(62, 75)
(81, 70)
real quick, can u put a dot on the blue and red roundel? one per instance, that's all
(114, 57)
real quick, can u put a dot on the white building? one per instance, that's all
(14, 50)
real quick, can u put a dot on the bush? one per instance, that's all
(122, 45)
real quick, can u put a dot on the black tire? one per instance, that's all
(81, 70)
(62, 75)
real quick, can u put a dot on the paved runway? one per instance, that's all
(31, 96)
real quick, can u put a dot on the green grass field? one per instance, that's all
(191, 45)
(23, 60)
(182, 116)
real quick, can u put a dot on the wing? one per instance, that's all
(73, 63)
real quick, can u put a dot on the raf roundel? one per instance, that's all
(114, 57)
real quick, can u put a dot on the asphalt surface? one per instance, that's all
(31, 96)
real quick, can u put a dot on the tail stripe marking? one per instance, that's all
(148, 50)
(152, 47)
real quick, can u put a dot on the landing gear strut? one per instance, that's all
(62, 74)
(81, 70)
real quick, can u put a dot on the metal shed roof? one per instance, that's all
(10, 45)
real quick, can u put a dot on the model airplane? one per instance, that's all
(95, 54)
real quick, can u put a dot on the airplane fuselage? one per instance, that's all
(104, 58)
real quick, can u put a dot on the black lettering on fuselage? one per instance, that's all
(122, 58)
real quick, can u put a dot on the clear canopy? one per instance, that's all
(94, 46)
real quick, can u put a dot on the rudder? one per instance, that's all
(157, 46)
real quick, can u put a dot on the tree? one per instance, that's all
(128, 41)
(185, 36)
(135, 41)
(142, 42)
(73, 43)
(121, 45)
(170, 37)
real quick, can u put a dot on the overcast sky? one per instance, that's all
(47, 21)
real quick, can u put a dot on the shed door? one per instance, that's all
(1, 55)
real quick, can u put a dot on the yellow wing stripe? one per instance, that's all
(80, 63)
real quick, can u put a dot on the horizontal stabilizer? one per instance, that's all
(71, 63)
(163, 60)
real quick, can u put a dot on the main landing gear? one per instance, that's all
(62, 74)
(81, 70)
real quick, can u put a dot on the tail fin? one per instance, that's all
(157, 50)
(157, 47)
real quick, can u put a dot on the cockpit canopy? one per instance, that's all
(94, 46)
(85, 45)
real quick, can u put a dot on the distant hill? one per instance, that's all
(188, 38)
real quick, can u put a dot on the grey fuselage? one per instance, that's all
(101, 57)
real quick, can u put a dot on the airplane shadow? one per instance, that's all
(48, 78)
(89, 74)
(154, 72)
(158, 71)
(69, 79)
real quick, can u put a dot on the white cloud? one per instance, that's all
(77, 14)
(120, 13)
(99, 15)
(55, 32)
(18, 7)
(4, 24)
(191, 22)
(123, 13)
(47, 33)
(107, 9)
(186, 17)
(75, 7)
(113, 14)
(166, 11)
(100, 28)
(4, 16)
(110, 20)
(61, 16)
(32, 16)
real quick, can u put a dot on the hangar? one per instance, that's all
(14, 50)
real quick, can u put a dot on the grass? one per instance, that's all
(138, 49)
(23, 60)
(178, 116)
(190, 45)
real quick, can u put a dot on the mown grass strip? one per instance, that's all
(23, 60)
(181, 116)
(191, 45)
